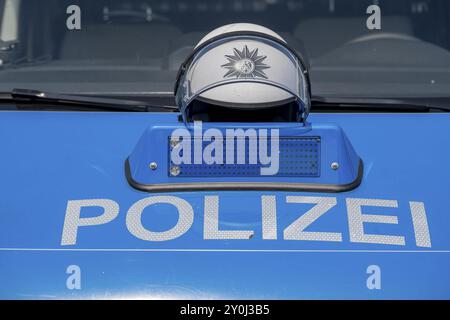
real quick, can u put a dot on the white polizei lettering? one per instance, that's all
(420, 223)
(356, 220)
(269, 217)
(185, 218)
(304, 228)
(73, 220)
(211, 223)
(295, 231)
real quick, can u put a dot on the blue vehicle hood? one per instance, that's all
(49, 159)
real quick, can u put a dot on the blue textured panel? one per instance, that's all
(299, 157)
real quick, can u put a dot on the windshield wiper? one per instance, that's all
(381, 104)
(35, 98)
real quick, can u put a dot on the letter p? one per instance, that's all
(73, 220)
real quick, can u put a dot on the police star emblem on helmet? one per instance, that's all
(245, 64)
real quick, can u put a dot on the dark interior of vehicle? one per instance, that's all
(151, 38)
(152, 30)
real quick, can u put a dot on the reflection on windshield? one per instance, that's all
(136, 47)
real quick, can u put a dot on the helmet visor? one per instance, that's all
(242, 59)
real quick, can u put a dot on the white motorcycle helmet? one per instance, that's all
(244, 67)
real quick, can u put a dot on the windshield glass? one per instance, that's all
(394, 49)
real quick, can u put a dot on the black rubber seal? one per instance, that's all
(244, 186)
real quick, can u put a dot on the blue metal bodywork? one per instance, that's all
(49, 158)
